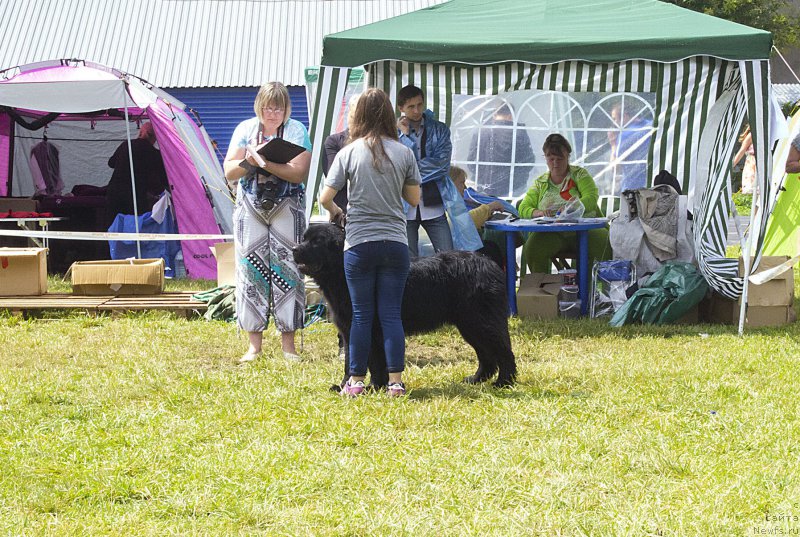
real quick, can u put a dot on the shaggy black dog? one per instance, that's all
(460, 288)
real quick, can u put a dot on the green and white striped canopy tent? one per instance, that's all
(709, 75)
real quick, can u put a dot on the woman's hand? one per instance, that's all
(539, 213)
(495, 206)
(250, 160)
(336, 216)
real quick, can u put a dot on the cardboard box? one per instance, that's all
(776, 292)
(690, 317)
(538, 279)
(23, 271)
(18, 204)
(226, 264)
(313, 293)
(538, 295)
(726, 311)
(769, 316)
(118, 277)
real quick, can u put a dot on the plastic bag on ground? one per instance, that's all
(669, 293)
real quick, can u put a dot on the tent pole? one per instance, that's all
(788, 66)
(746, 261)
(133, 177)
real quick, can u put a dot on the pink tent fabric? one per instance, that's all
(5, 130)
(192, 211)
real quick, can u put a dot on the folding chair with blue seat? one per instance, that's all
(610, 283)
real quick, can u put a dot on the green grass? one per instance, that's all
(744, 203)
(145, 425)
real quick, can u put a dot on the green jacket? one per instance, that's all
(585, 189)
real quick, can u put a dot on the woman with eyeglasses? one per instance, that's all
(549, 194)
(269, 219)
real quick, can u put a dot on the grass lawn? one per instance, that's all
(145, 425)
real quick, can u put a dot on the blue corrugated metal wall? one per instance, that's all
(221, 109)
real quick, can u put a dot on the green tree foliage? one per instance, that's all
(777, 16)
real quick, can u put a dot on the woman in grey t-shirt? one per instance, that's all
(378, 172)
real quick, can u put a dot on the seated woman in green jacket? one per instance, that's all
(549, 193)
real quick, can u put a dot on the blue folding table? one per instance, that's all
(581, 227)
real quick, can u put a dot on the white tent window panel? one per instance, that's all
(498, 139)
(683, 90)
(633, 113)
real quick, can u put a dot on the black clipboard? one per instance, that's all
(280, 151)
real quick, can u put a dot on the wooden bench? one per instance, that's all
(180, 303)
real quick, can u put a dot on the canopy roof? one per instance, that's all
(546, 31)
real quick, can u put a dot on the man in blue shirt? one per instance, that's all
(430, 141)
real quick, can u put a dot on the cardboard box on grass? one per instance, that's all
(777, 292)
(537, 296)
(720, 309)
(23, 271)
(118, 277)
(690, 317)
(226, 265)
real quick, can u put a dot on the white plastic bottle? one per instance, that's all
(180, 269)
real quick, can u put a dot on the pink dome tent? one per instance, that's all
(89, 109)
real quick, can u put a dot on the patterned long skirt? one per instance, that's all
(267, 279)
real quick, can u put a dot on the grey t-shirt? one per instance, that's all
(796, 142)
(375, 205)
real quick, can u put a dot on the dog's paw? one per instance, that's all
(474, 379)
(503, 383)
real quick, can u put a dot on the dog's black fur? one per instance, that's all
(460, 288)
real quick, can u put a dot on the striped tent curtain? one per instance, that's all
(328, 106)
(712, 197)
(686, 91)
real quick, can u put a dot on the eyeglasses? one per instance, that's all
(267, 110)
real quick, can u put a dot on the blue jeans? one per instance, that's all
(438, 231)
(376, 275)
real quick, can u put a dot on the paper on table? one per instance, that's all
(556, 220)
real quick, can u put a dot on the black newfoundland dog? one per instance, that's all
(460, 288)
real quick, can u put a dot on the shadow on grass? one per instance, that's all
(592, 328)
(520, 391)
(511, 394)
